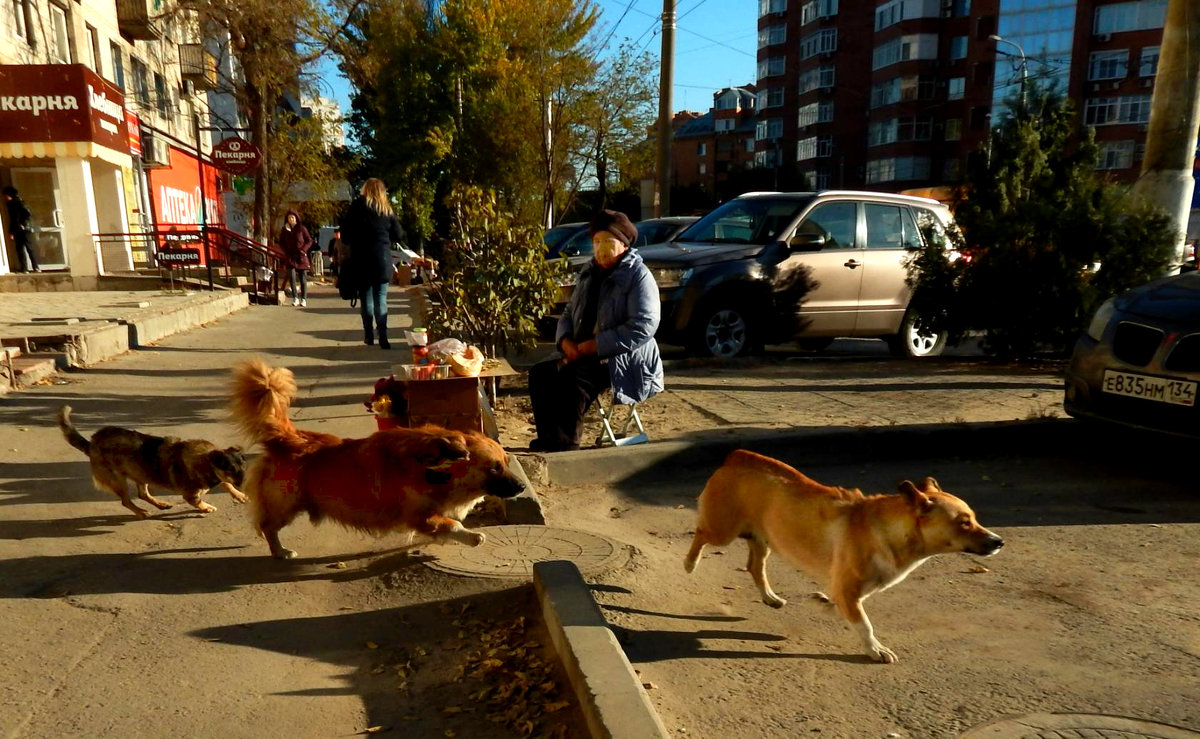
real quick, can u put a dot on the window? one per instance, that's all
(806, 149)
(772, 128)
(1116, 155)
(771, 6)
(118, 66)
(60, 39)
(20, 11)
(953, 129)
(702, 149)
(888, 15)
(897, 168)
(771, 67)
(821, 77)
(162, 101)
(769, 97)
(955, 88)
(958, 47)
(725, 124)
(885, 93)
(772, 35)
(749, 146)
(94, 49)
(824, 147)
(703, 168)
(141, 82)
(1112, 110)
(821, 112)
(815, 9)
(1136, 16)
(821, 42)
(1148, 62)
(890, 227)
(1108, 65)
(837, 222)
(961, 8)
(881, 132)
(905, 48)
(914, 128)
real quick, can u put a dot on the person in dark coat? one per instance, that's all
(296, 241)
(337, 250)
(19, 228)
(370, 228)
(605, 336)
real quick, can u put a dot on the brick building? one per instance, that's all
(894, 95)
(711, 148)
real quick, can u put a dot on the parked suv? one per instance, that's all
(768, 267)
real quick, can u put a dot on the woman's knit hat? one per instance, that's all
(616, 223)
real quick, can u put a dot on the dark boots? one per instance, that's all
(381, 322)
(368, 334)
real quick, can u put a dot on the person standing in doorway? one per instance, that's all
(295, 241)
(19, 229)
(370, 228)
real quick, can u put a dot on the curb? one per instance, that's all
(800, 447)
(525, 508)
(611, 696)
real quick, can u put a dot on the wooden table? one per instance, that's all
(458, 403)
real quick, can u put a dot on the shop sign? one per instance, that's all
(236, 155)
(175, 256)
(133, 128)
(60, 102)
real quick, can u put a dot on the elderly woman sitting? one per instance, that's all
(605, 338)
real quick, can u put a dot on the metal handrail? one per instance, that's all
(223, 250)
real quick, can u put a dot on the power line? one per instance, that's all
(685, 15)
(618, 23)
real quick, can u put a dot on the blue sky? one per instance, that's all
(715, 45)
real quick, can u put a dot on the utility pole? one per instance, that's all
(548, 153)
(1166, 180)
(662, 200)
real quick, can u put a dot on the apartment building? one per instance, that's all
(711, 148)
(896, 94)
(98, 127)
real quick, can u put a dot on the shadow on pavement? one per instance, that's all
(655, 645)
(162, 572)
(409, 664)
(1036, 473)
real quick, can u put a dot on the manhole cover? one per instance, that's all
(1073, 725)
(511, 551)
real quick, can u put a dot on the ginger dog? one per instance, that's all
(852, 544)
(421, 480)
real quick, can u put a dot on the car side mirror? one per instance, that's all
(570, 251)
(807, 242)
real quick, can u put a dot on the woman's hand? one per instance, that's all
(587, 348)
(569, 349)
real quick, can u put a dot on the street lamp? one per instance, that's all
(1024, 64)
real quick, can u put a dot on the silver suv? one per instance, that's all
(769, 267)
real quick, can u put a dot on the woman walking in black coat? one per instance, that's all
(370, 228)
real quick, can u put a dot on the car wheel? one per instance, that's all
(724, 331)
(914, 343)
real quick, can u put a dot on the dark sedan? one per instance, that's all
(1138, 362)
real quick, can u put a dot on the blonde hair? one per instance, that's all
(376, 195)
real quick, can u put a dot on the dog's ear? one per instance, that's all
(918, 499)
(442, 449)
(221, 460)
(930, 485)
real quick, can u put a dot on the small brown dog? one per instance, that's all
(854, 544)
(422, 480)
(190, 468)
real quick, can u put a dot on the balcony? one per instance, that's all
(198, 66)
(136, 19)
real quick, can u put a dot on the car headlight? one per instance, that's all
(667, 278)
(1100, 321)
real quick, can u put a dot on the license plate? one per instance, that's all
(1161, 389)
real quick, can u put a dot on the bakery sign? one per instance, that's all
(60, 102)
(236, 155)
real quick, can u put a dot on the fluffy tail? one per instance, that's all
(74, 438)
(261, 398)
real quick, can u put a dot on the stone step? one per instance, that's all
(32, 369)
